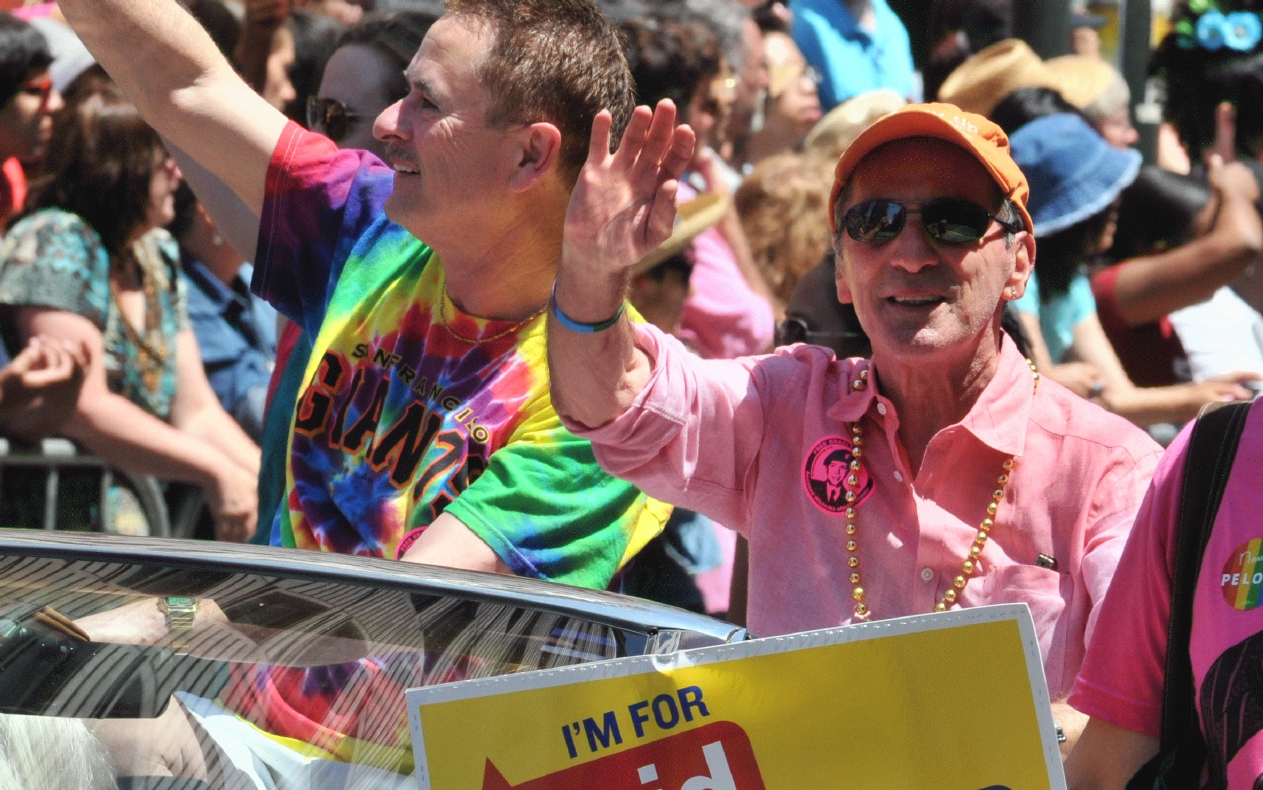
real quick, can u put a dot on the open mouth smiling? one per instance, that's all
(915, 301)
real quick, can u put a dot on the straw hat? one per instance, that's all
(978, 84)
(835, 132)
(1081, 80)
(694, 218)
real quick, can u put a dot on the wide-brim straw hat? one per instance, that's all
(1081, 80)
(693, 218)
(835, 132)
(978, 84)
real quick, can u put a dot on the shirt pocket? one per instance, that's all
(1039, 588)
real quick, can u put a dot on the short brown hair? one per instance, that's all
(553, 60)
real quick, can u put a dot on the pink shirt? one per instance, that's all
(723, 317)
(743, 441)
(1123, 673)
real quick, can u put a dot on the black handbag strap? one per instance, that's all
(1212, 449)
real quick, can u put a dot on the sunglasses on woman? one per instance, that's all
(946, 220)
(41, 87)
(330, 117)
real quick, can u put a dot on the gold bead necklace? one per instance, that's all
(851, 487)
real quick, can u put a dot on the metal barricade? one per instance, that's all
(57, 456)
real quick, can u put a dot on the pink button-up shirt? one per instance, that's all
(748, 442)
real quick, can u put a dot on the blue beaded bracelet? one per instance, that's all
(579, 326)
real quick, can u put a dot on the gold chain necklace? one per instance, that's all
(476, 340)
(852, 484)
(151, 347)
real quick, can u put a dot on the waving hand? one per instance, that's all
(624, 203)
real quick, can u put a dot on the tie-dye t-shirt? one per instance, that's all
(411, 408)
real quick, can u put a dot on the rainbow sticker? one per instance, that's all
(1242, 578)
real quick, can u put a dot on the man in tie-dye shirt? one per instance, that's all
(425, 429)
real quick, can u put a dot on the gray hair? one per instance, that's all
(1114, 99)
(45, 753)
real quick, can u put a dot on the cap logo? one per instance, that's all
(959, 122)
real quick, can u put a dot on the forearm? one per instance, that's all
(214, 426)
(1155, 286)
(183, 86)
(1071, 722)
(119, 431)
(450, 543)
(1147, 406)
(595, 377)
(1107, 756)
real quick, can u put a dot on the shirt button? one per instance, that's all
(898, 476)
(881, 409)
(927, 574)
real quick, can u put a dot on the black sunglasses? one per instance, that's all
(330, 117)
(946, 220)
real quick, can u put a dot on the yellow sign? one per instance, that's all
(954, 701)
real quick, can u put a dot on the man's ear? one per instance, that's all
(537, 155)
(839, 274)
(1024, 266)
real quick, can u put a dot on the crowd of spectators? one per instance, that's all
(133, 324)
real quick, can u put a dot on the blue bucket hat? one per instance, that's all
(1074, 174)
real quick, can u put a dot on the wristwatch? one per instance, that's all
(179, 612)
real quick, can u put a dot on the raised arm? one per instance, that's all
(171, 70)
(1154, 286)
(622, 208)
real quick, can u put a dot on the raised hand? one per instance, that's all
(40, 388)
(624, 203)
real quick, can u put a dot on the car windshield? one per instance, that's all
(127, 675)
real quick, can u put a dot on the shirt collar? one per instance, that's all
(998, 419)
(859, 394)
(1002, 413)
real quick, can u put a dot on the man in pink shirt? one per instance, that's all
(970, 480)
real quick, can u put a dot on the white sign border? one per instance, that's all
(641, 665)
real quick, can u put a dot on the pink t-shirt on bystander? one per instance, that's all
(1124, 672)
(723, 317)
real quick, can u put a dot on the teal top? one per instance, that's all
(1060, 314)
(54, 259)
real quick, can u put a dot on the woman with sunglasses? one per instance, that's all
(1076, 179)
(364, 76)
(90, 265)
(27, 104)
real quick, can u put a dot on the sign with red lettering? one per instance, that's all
(874, 704)
(716, 756)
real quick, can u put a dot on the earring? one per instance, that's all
(1012, 293)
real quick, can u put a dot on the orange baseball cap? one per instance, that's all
(980, 137)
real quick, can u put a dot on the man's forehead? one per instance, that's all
(921, 167)
(451, 51)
